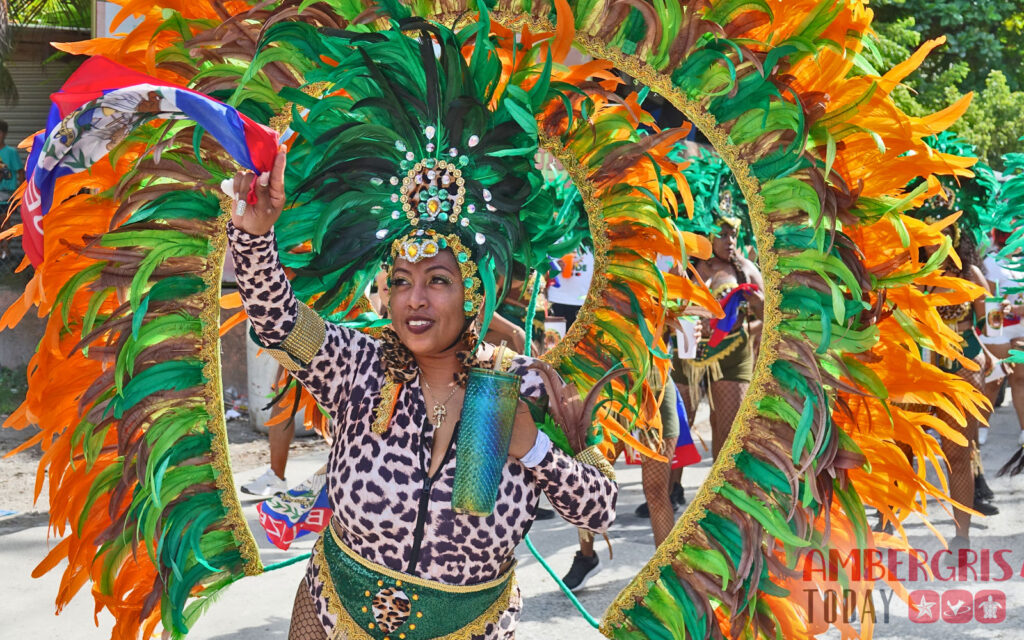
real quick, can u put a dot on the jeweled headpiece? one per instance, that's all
(413, 149)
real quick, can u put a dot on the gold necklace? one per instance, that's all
(440, 409)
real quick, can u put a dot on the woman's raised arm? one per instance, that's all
(321, 355)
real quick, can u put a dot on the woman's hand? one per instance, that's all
(989, 362)
(524, 432)
(258, 219)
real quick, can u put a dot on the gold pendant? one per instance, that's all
(440, 413)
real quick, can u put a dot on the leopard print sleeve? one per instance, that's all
(579, 492)
(330, 373)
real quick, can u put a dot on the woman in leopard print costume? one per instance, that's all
(391, 492)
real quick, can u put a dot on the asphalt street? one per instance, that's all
(259, 607)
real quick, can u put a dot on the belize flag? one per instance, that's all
(99, 105)
(294, 513)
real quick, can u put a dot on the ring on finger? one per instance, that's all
(240, 205)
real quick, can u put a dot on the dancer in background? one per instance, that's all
(967, 318)
(725, 359)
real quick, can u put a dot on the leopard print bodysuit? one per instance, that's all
(375, 482)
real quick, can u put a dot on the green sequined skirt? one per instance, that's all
(373, 602)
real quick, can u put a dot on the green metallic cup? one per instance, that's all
(488, 414)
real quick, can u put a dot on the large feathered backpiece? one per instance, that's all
(125, 386)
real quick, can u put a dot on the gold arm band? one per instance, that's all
(593, 456)
(299, 348)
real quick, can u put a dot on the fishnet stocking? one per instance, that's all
(691, 408)
(305, 622)
(726, 397)
(655, 477)
(960, 461)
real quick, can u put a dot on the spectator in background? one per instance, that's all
(12, 173)
(569, 288)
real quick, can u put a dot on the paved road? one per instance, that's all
(259, 607)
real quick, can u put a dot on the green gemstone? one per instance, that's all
(468, 283)
(463, 160)
(429, 162)
(443, 242)
(462, 256)
(443, 216)
(422, 207)
(468, 306)
(446, 206)
(443, 193)
(432, 190)
(404, 164)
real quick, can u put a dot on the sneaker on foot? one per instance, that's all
(543, 514)
(985, 508)
(981, 489)
(583, 567)
(266, 485)
(678, 496)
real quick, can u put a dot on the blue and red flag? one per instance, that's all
(686, 452)
(721, 327)
(291, 514)
(99, 105)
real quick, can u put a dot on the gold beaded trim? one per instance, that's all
(386, 406)
(593, 456)
(687, 527)
(213, 397)
(307, 337)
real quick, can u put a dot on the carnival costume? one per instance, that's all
(126, 389)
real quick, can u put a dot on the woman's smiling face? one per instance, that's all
(426, 302)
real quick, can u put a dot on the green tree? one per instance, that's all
(981, 36)
(56, 13)
(982, 54)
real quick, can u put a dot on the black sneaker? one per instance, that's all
(543, 514)
(985, 508)
(678, 496)
(583, 567)
(981, 489)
